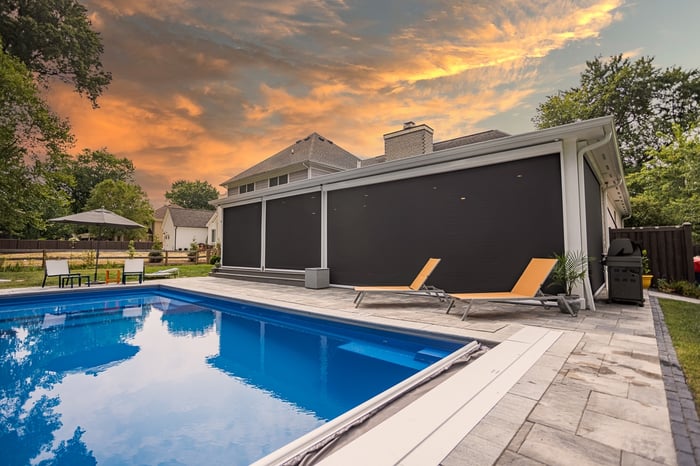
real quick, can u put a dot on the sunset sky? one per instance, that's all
(203, 89)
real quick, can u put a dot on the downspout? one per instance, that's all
(587, 291)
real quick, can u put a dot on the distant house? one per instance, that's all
(182, 227)
(213, 229)
(484, 203)
(157, 225)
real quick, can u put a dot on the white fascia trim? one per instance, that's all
(313, 189)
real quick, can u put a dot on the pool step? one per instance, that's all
(296, 278)
(415, 360)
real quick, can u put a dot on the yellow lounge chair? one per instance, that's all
(528, 287)
(418, 285)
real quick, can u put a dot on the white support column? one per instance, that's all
(324, 227)
(573, 195)
(263, 228)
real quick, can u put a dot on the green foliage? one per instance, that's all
(131, 250)
(156, 254)
(192, 194)
(214, 260)
(88, 258)
(665, 190)
(646, 267)
(32, 140)
(127, 200)
(570, 270)
(193, 252)
(90, 168)
(681, 287)
(55, 40)
(645, 102)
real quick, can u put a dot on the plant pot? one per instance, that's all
(573, 301)
(646, 281)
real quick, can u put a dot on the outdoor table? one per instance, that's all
(72, 278)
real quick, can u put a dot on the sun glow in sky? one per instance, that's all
(204, 89)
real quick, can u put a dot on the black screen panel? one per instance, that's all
(242, 230)
(293, 232)
(485, 223)
(594, 227)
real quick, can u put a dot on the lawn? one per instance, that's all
(33, 276)
(683, 322)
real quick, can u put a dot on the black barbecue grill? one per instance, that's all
(624, 263)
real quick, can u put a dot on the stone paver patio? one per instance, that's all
(596, 397)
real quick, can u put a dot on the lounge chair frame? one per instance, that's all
(417, 287)
(59, 268)
(133, 268)
(527, 288)
(165, 273)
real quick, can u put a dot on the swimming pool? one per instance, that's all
(151, 375)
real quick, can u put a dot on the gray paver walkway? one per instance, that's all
(606, 392)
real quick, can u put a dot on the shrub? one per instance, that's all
(88, 259)
(156, 255)
(214, 260)
(681, 287)
(193, 251)
(131, 250)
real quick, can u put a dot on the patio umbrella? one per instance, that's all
(100, 218)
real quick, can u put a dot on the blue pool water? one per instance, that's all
(152, 376)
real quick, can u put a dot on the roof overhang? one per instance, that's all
(595, 139)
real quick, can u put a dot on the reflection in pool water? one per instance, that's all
(164, 378)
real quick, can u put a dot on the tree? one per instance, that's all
(32, 158)
(192, 194)
(55, 40)
(125, 199)
(666, 188)
(645, 102)
(90, 168)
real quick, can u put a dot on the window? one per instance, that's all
(246, 188)
(213, 236)
(277, 180)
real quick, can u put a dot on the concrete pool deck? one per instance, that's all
(607, 391)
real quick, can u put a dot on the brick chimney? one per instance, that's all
(411, 140)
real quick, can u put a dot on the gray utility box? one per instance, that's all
(625, 277)
(317, 278)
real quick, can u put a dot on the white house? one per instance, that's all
(182, 227)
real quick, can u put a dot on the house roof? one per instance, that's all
(469, 139)
(191, 218)
(313, 148)
(159, 213)
(450, 143)
(597, 134)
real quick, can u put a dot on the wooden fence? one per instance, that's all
(670, 249)
(32, 258)
(13, 245)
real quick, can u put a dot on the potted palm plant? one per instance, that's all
(570, 270)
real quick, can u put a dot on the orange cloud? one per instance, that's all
(205, 90)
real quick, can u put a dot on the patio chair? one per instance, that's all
(133, 268)
(59, 268)
(166, 273)
(528, 287)
(417, 287)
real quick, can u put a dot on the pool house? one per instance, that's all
(485, 205)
